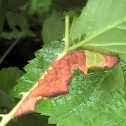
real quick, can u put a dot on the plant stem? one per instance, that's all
(8, 50)
(7, 118)
(67, 36)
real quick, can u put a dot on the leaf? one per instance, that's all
(3, 10)
(68, 4)
(37, 67)
(123, 56)
(84, 96)
(15, 4)
(8, 78)
(32, 119)
(19, 25)
(90, 102)
(39, 8)
(52, 32)
(90, 20)
(57, 80)
(103, 25)
(6, 102)
(112, 41)
(118, 79)
(123, 65)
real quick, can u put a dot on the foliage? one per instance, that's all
(19, 26)
(98, 100)
(15, 4)
(8, 80)
(3, 10)
(40, 8)
(50, 31)
(6, 102)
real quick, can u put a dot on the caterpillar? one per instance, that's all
(57, 80)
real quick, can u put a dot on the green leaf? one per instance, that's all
(118, 79)
(68, 4)
(37, 67)
(39, 8)
(19, 26)
(123, 56)
(123, 64)
(8, 78)
(3, 10)
(90, 20)
(90, 102)
(15, 4)
(6, 102)
(104, 24)
(32, 119)
(113, 41)
(53, 27)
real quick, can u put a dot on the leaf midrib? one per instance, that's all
(96, 35)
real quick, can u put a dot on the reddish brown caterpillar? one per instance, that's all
(57, 80)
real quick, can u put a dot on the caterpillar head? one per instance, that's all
(111, 61)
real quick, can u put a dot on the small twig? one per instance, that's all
(8, 50)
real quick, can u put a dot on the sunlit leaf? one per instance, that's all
(103, 23)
